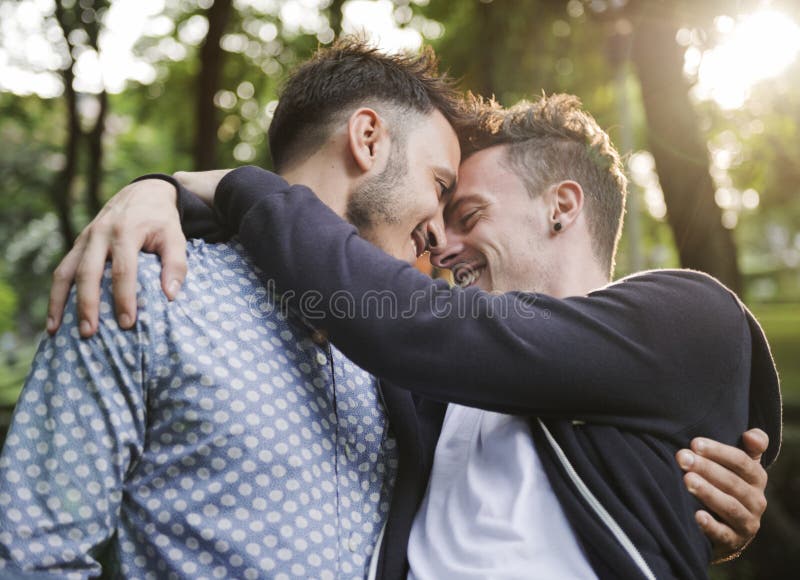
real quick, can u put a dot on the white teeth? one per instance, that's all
(416, 248)
(469, 278)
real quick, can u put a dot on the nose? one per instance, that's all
(436, 234)
(445, 255)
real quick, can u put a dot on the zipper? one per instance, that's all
(597, 507)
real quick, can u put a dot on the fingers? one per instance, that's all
(731, 458)
(736, 526)
(172, 248)
(723, 538)
(736, 514)
(729, 483)
(755, 443)
(63, 276)
(730, 473)
(130, 221)
(87, 279)
(124, 265)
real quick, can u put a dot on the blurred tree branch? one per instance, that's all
(679, 150)
(95, 135)
(335, 17)
(212, 60)
(62, 184)
(85, 17)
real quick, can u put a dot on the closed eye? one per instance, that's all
(470, 217)
(444, 188)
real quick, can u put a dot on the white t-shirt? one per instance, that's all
(489, 511)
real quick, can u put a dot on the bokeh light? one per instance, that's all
(753, 48)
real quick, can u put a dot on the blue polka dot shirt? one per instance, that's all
(215, 440)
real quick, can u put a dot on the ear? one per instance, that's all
(567, 204)
(367, 135)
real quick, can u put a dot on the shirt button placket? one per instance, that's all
(326, 359)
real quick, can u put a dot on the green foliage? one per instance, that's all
(764, 138)
(31, 131)
(8, 307)
(781, 323)
(13, 371)
(149, 128)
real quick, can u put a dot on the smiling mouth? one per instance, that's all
(467, 274)
(419, 241)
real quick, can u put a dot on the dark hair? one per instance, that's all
(550, 140)
(349, 74)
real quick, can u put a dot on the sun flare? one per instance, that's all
(754, 48)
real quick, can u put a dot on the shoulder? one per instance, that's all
(681, 310)
(680, 291)
(210, 266)
(227, 258)
(675, 280)
(223, 292)
(220, 272)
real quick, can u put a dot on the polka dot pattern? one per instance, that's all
(216, 440)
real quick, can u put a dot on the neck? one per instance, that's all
(324, 178)
(576, 271)
(578, 281)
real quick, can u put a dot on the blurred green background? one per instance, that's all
(703, 98)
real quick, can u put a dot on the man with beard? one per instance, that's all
(221, 437)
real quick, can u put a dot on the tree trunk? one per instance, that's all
(95, 136)
(62, 184)
(95, 169)
(335, 17)
(95, 177)
(212, 59)
(483, 73)
(679, 150)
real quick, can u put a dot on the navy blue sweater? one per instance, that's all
(620, 379)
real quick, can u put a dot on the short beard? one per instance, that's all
(378, 199)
